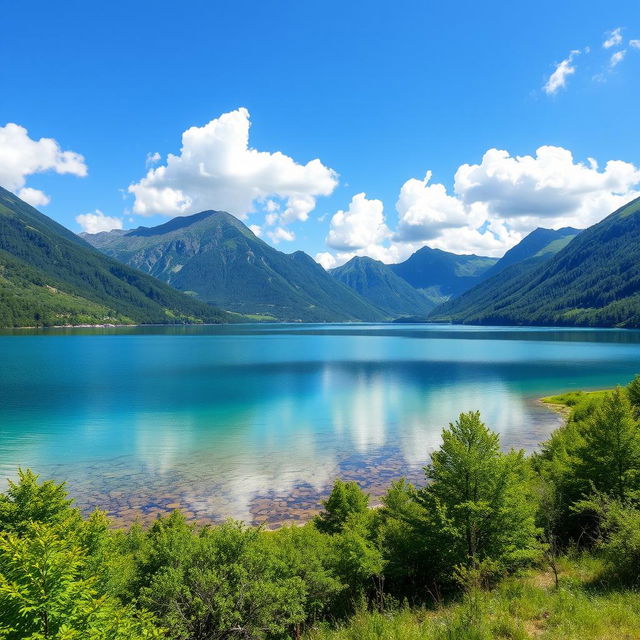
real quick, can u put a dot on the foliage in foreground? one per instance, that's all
(485, 519)
(521, 607)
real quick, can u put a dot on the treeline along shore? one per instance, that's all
(495, 545)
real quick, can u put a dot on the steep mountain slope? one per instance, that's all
(48, 275)
(540, 243)
(216, 257)
(376, 282)
(593, 281)
(441, 275)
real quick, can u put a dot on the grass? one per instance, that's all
(583, 607)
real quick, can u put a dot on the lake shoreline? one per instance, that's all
(300, 505)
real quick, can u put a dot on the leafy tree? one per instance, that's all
(310, 555)
(609, 458)
(345, 499)
(621, 546)
(479, 500)
(633, 389)
(28, 501)
(402, 534)
(357, 562)
(44, 593)
(221, 582)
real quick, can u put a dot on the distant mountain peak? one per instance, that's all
(218, 258)
(584, 278)
(182, 222)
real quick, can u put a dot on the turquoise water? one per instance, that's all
(255, 421)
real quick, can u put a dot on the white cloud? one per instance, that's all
(97, 222)
(216, 169)
(634, 43)
(547, 187)
(496, 203)
(558, 79)
(34, 197)
(424, 210)
(613, 39)
(152, 158)
(280, 233)
(326, 259)
(256, 229)
(360, 226)
(22, 156)
(617, 58)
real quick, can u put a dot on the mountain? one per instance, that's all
(441, 275)
(376, 282)
(217, 258)
(593, 281)
(540, 243)
(50, 276)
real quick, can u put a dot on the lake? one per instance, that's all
(255, 421)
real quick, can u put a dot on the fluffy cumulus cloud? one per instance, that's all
(613, 38)
(217, 169)
(34, 197)
(425, 210)
(97, 222)
(547, 188)
(21, 156)
(360, 226)
(493, 205)
(634, 43)
(280, 233)
(558, 79)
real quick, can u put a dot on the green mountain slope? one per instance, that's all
(542, 243)
(216, 257)
(376, 282)
(593, 281)
(50, 276)
(441, 275)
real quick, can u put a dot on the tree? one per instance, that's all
(28, 501)
(609, 458)
(310, 555)
(345, 499)
(223, 583)
(633, 389)
(479, 500)
(44, 593)
(402, 533)
(357, 562)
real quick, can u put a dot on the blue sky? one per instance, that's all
(378, 93)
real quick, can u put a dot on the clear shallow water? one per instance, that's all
(255, 421)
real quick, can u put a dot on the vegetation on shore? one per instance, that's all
(496, 545)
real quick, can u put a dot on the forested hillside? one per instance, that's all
(593, 281)
(376, 282)
(441, 275)
(50, 276)
(540, 243)
(219, 259)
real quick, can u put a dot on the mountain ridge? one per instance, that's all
(49, 275)
(215, 256)
(378, 283)
(593, 281)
